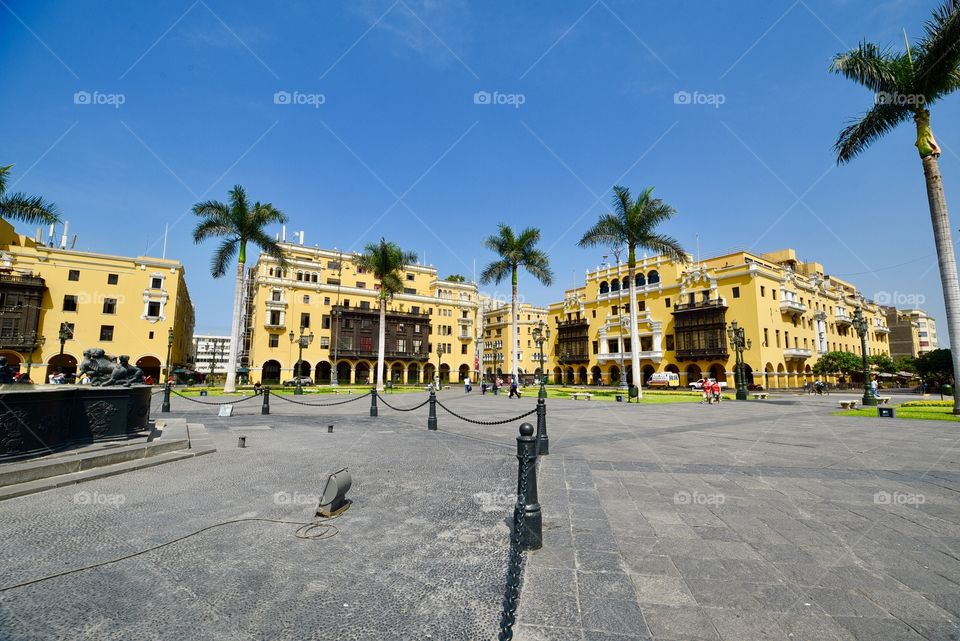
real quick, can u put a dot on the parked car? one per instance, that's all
(304, 380)
(664, 379)
(698, 384)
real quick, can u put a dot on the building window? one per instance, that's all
(642, 306)
(325, 321)
(326, 300)
(274, 340)
(73, 274)
(112, 279)
(106, 332)
(69, 303)
(409, 276)
(736, 292)
(109, 305)
(401, 344)
(324, 342)
(763, 291)
(156, 283)
(333, 281)
(777, 336)
(361, 284)
(409, 290)
(8, 328)
(766, 337)
(150, 335)
(274, 317)
(276, 295)
(306, 299)
(153, 309)
(667, 301)
(595, 347)
(669, 341)
(364, 304)
(463, 348)
(304, 320)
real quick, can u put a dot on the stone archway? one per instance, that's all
(150, 366)
(445, 374)
(396, 373)
(769, 380)
(270, 373)
(719, 372)
(568, 379)
(748, 374)
(647, 372)
(558, 375)
(596, 376)
(364, 373)
(429, 371)
(343, 372)
(302, 369)
(64, 364)
(614, 375)
(463, 372)
(582, 375)
(413, 374)
(322, 373)
(694, 373)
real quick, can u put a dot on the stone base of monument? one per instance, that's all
(41, 420)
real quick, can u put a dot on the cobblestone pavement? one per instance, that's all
(760, 520)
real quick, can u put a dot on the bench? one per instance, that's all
(883, 400)
(578, 395)
(848, 405)
(760, 396)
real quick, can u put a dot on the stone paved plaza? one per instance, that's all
(759, 520)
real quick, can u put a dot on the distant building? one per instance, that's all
(497, 357)
(210, 353)
(913, 332)
(124, 305)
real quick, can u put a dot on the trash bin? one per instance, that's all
(947, 390)
(619, 398)
(634, 392)
(203, 392)
(884, 411)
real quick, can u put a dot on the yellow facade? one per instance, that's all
(497, 357)
(431, 326)
(126, 306)
(790, 310)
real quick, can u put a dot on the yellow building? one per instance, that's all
(497, 357)
(791, 311)
(126, 306)
(431, 326)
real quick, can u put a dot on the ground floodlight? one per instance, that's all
(333, 501)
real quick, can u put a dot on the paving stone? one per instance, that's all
(609, 585)
(746, 626)
(613, 615)
(674, 622)
(663, 590)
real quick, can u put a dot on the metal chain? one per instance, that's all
(283, 397)
(245, 398)
(402, 409)
(503, 422)
(511, 594)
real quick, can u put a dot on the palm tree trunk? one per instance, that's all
(948, 264)
(381, 347)
(515, 330)
(230, 384)
(634, 329)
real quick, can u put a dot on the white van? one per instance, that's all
(664, 379)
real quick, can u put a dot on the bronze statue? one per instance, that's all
(125, 374)
(6, 372)
(104, 370)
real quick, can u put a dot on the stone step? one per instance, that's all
(55, 465)
(39, 485)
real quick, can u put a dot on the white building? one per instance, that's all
(210, 353)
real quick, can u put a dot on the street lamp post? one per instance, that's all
(303, 340)
(35, 342)
(737, 338)
(860, 324)
(65, 334)
(169, 353)
(541, 333)
(624, 327)
(440, 352)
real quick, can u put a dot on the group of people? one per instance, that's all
(711, 391)
(498, 383)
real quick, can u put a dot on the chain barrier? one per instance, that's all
(231, 402)
(290, 400)
(511, 594)
(475, 422)
(402, 409)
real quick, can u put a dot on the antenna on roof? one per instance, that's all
(166, 228)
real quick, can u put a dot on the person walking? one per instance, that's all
(514, 390)
(466, 385)
(716, 391)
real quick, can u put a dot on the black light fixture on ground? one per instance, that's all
(303, 341)
(166, 376)
(860, 324)
(739, 343)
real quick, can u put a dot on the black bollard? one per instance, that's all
(532, 536)
(265, 408)
(543, 441)
(373, 402)
(432, 416)
(165, 407)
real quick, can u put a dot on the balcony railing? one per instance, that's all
(388, 354)
(626, 356)
(881, 329)
(797, 353)
(21, 279)
(703, 354)
(713, 303)
(843, 318)
(788, 306)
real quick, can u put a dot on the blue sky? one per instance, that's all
(387, 137)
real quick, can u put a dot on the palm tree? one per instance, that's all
(385, 260)
(238, 224)
(906, 84)
(516, 251)
(27, 209)
(633, 224)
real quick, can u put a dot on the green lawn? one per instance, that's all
(610, 394)
(920, 410)
(246, 390)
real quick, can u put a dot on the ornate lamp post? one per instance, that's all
(541, 333)
(496, 371)
(35, 342)
(624, 327)
(169, 353)
(736, 335)
(66, 333)
(440, 352)
(304, 340)
(860, 324)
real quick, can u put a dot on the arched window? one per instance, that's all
(641, 280)
(615, 285)
(653, 277)
(604, 287)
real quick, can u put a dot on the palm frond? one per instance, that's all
(223, 257)
(607, 231)
(868, 65)
(4, 170)
(938, 53)
(496, 271)
(268, 246)
(666, 246)
(537, 264)
(860, 134)
(28, 209)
